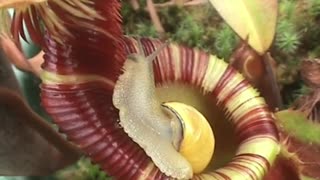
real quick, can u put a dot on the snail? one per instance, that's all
(147, 124)
(86, 88)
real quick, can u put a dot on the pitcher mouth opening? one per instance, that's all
(225, 140)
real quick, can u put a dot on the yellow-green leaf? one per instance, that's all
(252, 19)
(296, 124)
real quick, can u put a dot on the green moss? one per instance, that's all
(137, 23)
(303, 90)
(298, 126)
(287, 9)
(287, 38)
(189, 32)
(82, 170)
(193, 26)
(226, 40)
(314, 9)
(288, 41)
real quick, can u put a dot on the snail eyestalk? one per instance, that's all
(159, 133)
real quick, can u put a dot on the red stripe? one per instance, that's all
(224, 80)
(223, 175)
(255, 128)
(247, 156)
(203, 64)
(243, 85)
(244, 169)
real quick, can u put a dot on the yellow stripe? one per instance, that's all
(135, 46)
(215, 70)
(247, 107)
(242, 100)
(252, 117)
(215, 176)
(176, 60)
(265, 146)
(206, 84)
(210, 177)
(257, 165)
(145, 174)
(233, 173)
(195, 68)
(242, 97)
(225, 92)
(53, 79)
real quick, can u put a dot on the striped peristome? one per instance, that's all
(81, 105)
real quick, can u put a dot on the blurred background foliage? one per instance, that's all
(297, 35)
(297, 38)
(82, 170)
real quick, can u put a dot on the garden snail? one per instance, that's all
(147, 124)
(82, 81)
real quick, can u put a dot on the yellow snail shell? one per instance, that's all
(197, 143)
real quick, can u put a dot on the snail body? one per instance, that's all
(142, 118)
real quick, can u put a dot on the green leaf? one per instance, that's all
(254, 20)
(297, 125)
(307, 178)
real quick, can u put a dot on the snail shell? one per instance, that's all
(197, 141)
